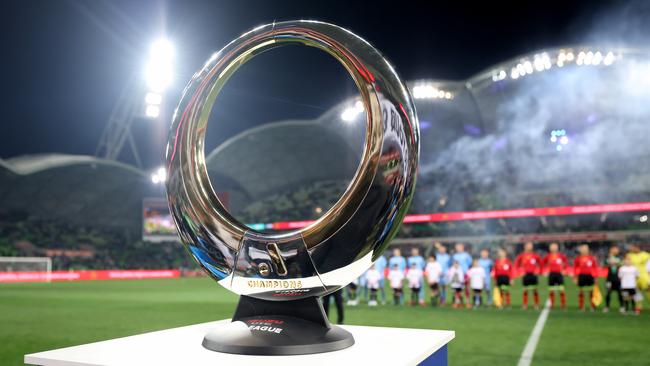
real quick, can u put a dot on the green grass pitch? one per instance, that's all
(39, 316)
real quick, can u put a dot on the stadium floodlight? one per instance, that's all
(528, 67)
(514, 74)
(158, 74)
(152, 111)
(598, 57)
(159, 176)
(570, 56)
(350, 114)
(153, 98)
(496, 76)
(428, 91)
(159, 69)
(564, 140)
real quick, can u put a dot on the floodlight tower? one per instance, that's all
(130, 106)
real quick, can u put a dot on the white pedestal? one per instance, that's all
(182, 346)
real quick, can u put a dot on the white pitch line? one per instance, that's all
(527, 355)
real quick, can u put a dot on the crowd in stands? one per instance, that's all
(306, 202)
(461, 278)
(76, 247)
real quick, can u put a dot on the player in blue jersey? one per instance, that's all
(463, 258)
(416, 259)
(397, 260)
(380, 266)
(487, 263)
(363, 288)
(419, 262)
(444, 259)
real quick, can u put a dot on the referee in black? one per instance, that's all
(338, 300)
(613, 283)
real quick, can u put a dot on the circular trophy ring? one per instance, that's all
(213, 236)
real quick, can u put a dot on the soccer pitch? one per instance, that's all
(41, 316)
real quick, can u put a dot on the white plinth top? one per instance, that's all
(182, 346)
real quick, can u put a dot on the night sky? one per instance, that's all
(65, 62)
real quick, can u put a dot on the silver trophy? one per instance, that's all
(281, 277)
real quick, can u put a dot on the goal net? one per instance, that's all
(36, 268)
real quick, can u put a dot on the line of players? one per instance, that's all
(469, 279)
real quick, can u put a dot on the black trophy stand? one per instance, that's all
(262, 327)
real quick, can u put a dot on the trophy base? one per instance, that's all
(262, 327)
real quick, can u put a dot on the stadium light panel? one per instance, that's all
(350, 114)
(598, 57)
(430, 92)
(528, 67)
(159, 69)
(564, 140)
(159, 176)
(153, 98)
(514, 74)
(152, 111)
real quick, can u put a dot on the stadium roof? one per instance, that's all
(77, 189)
(29, 164)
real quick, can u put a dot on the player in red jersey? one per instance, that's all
(585, 269)
(503, 273)
(531, 263)
(555, 262)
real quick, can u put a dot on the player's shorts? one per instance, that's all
(415, 289)
(353, 286)
(585, 280)
(434, 286)
(530, 279)
(555, 279)
(477, 290)
(397, 290)
(503, 280)
(629, 292)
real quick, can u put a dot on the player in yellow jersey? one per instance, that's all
(639, 259)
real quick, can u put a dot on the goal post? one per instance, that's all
(40, 268)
